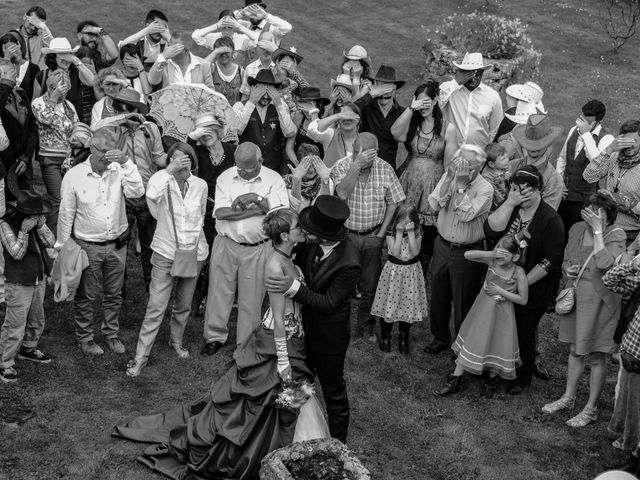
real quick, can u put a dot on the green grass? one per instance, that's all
(398, 429)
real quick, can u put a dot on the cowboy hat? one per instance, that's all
(343, 80)
(522, 113)
(131, 97)
(537, 134)
(60, 45)
(312, 94)
(387, 74)
(357, 53)
(325, 218)
(265, 77)
(472, 61)
(292, 52)
(527, 92)
(31, 202)
(17, 183)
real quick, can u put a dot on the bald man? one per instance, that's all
(244, 195)
(92, 208)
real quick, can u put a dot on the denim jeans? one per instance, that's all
(146, 230)
(159, 293)
(52, 178)
(108, 262)
(370, 247)
(24, 321)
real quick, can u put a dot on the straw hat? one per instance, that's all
(343, 80)
(523, 111)
(472, 61)
(60, 45)
(527, 92)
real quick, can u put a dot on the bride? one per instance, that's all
(226, 433)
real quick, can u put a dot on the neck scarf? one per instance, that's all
(16, 106)
(308, 188)
(628, 161)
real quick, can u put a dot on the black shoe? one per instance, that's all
(630, 466)
(209, 349)
(541, 371)
(403, 344)
(489, 387)
(454, 385)
(517, 388)
(435, 348)
(385, 344)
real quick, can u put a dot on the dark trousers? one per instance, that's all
(570, 214)
(429, 235)
(146, 229)
(527, 321)
(453, 279)
(370, 248)
(330, 372)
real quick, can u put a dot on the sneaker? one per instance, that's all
(180, 350)
(115, 345)
(584, 418)
(90, 348)
(8, 375)
(134, 367)
(34, 355)
(565, 403)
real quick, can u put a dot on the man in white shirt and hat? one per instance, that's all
(522, 100)
(473, 108)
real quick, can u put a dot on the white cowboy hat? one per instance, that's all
(343, 80)
(527, 92)
(472, 61)
(523, 111)
(60, 45)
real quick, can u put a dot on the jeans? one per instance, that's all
(52, 178)
(108, 261)
(370, 247)
(159, 293)
(24, 321)
(146, 230)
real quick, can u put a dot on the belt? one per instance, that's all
(397, 261)
(102, 244)
(251, 244)
(364, 232)
(461, 246)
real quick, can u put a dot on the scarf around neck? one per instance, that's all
(628, 161)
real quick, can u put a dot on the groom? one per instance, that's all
(330, 263)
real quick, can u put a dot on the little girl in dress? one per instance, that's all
(401, 295)
(488, 340)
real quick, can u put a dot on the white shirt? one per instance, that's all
(586, 141)
(240, 40)
(93, 205)
(188, 213)
(230, 185)
(252, 70)
(325, 136)
(169, 72)
(22, 72)
(277, 26)
(476, 114)
(244, 114)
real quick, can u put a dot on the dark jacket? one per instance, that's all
(374, 122)
(23, 139)
(29, 79)
(545, 246)
(325, 298)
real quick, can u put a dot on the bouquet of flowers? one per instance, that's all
(292, 395)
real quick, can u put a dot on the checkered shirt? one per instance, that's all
(624, 279)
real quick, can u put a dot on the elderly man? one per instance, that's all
(103, 51)
(244, 195)
(463, 199)
(473, 108)
(372, 191)
(378, 117)
(92, 209)
(151, 40)
(265, 120)
(36, 35)
(177, 64)
(618, 165)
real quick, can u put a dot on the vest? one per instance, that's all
(27, 271)
(268, 136)
(579, 190)
(231, 90)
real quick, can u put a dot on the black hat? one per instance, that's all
(251, 2)
(313, 94)
(131, 97)
(292, 52)
(32, 203)
(325, 218)
(266, 77)
(388, 74)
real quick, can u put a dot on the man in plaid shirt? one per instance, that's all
(371, 189)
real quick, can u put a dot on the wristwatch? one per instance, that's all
(597, 232)
(461, 190)
(260, 199)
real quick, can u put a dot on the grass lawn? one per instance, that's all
(55, 422)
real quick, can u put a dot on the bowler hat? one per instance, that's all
(387, 74)
(31, 202)
(313, 94)
(325, 218)
(265, 77)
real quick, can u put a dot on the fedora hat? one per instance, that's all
(523, 111)
(537, 134)
(265, 77)
(472, 61)
(313, 94)
(387, 74)
(131, 97)
(60, 45)
(325, 218)
(31, 202)
(292, 52)
(527, 92)
(343, 80)
(357, 52)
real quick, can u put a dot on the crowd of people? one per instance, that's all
(236, 180)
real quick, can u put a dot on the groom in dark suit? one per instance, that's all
(330, 263)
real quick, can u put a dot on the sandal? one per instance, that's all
(565, 403)
(618, 444)
(134, 367)
(584, 418)
(180, 350)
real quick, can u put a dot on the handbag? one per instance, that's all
(185, 261)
